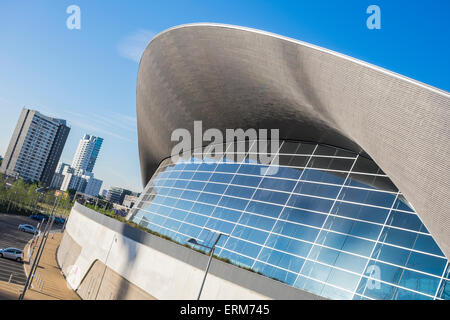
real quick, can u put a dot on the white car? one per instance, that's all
(12, 253)
(28, 228)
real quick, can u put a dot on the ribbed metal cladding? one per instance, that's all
(232, 77)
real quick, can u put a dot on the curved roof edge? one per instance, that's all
(303, 43)
(213, 72)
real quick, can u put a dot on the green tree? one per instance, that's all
(65, 204)
(18, 194)
(32, 195)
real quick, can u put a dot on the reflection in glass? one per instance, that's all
(324, 228)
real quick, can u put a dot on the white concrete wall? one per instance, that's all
(161, 275)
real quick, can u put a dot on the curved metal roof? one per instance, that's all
(234, 77)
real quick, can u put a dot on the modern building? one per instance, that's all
(93, 186)
(87, 153)
(117, 194)
(355, 203)
(57, 181)
(35, 147)
(63, 168)
(79, 175)
(60, 174)
(130, 200)
(81, 181)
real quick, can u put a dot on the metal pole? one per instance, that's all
(38, 254)
(209, 263)
(9, 204)
(32, 267)
(106, 266)
(65, 222)
(34, 241)
(53, 213)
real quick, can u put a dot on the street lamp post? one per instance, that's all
(106, 266)
(211, 254)
(10, 197)
(36, 260)
(39, 227)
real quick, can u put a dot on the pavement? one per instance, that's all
(49, 282)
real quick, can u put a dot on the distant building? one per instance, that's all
(57, 181)
(104, 192)
(82, 181)
(35, 147)
(79, 175)
(87, 153)
(63, 168)
(117, 195)
(93, 186)
(130, 200)
(58, 178)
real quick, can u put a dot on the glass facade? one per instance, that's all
(323, 219)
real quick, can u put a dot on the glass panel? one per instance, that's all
(331, 163)
(316, 189)
(301, 226)
(277, 184)
(264, 209)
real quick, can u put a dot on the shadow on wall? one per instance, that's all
(116, 287)
(101, 282)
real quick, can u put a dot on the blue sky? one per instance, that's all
(88, 76)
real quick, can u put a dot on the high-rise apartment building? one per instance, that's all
(35, 147)
(87, 153)
(79, 176)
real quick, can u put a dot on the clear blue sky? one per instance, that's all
(88, 76)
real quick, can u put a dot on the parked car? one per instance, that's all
(59, 220)
(28, 228)
(12, 253)
(39, 217)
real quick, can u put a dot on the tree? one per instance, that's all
(32, 195)
(65, 203)
(18, 193)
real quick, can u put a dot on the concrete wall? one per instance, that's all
(102, 283)
(143, 266)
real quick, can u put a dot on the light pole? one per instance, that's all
(35, 264)
(41, 192)
(211, 254)
(10, 197)
(36, 202)
(106, 266)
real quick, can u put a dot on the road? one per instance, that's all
(10, 236)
